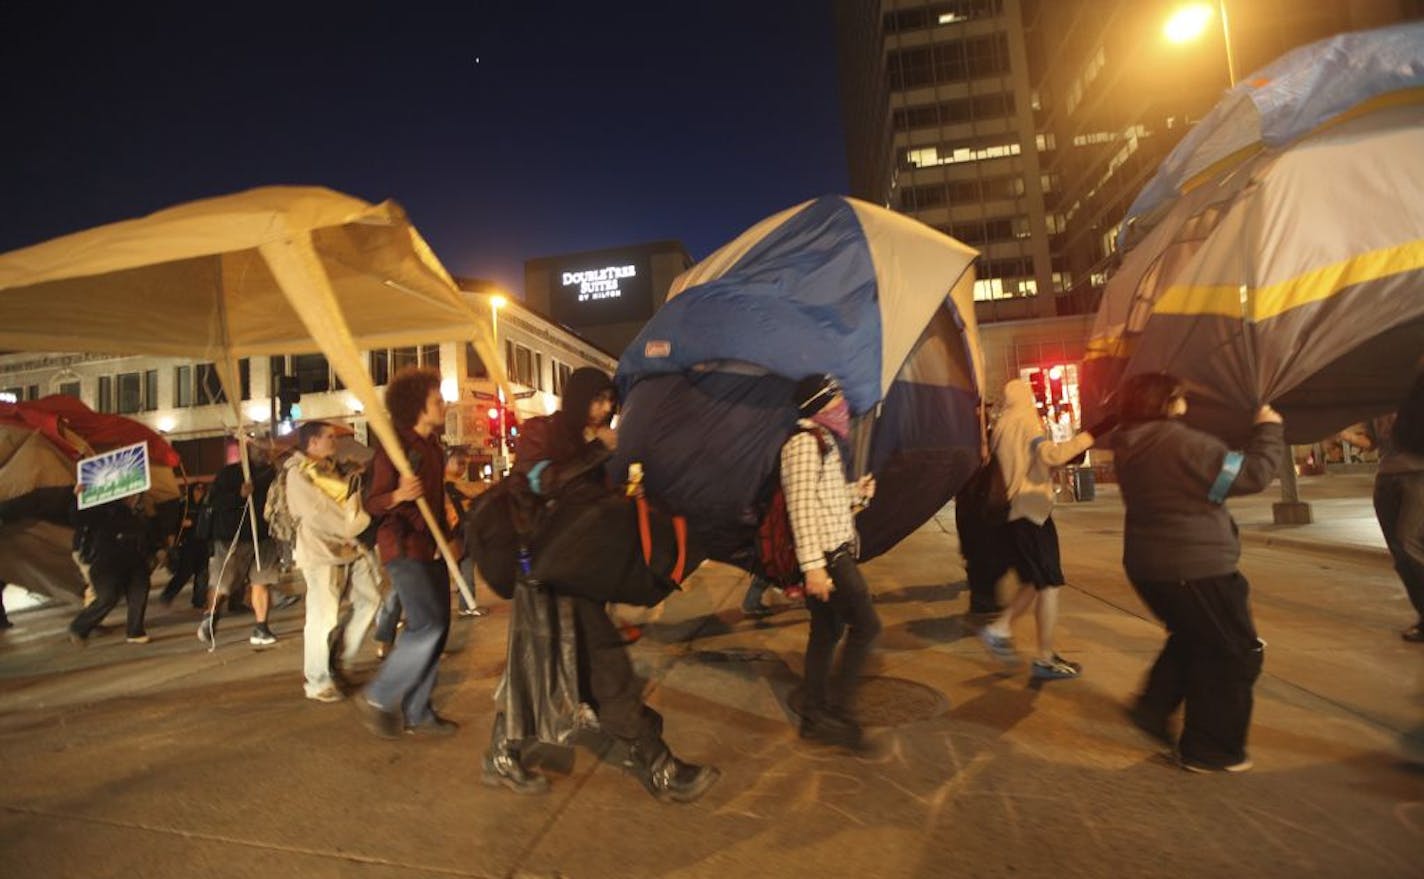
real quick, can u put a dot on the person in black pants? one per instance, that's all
(1181, 551)
(193, 551)
(114, 540)
(1399, 500)
(821, 504)
(561, 458)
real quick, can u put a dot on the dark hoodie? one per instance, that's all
(558, 439)
(1166, 471)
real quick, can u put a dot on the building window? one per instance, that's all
(313, 373)
(10, 395)
(933, 157)
(474, 364)
(207, 387)
(150, 390)
(956, 61)
(401, 358)
(32, 392)
(183, 386)
(937, 14)
(538, 371)
(430, 357)
(560, 373)
(70, 389)
(130, 392)
(106, 393)
(379, 364)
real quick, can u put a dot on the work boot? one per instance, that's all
(502, 766)
(667, 778)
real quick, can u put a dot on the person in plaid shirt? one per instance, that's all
(821, 506)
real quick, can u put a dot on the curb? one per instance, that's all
(1378, 555)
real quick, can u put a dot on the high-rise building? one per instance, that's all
(1025, 128)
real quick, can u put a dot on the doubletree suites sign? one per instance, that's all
(605, 290)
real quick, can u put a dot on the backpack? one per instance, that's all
(776, 543)
(280, 524)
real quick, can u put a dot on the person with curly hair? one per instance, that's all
(398, 699)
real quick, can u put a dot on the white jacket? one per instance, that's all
(1027, 456)
(326, 529)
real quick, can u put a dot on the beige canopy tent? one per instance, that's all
(276, 270)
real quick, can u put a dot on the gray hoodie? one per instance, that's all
(1173, 486)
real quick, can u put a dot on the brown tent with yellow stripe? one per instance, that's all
(1278, 256)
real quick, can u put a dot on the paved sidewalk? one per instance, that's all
(167, 761)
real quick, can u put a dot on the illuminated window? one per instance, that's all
(933, 157)
(10, 395)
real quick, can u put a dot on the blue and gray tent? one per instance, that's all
(832, 286)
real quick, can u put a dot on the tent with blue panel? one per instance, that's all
(834, 285)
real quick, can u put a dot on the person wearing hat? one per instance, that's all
(821, 506)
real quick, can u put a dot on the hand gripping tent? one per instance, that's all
(277, 270)
(835, 285)
(40, 443)
(1278, 254)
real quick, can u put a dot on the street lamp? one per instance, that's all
(498, 301)
(1190, 21)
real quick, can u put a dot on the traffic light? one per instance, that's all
(289, 394)
(1055, 384)
(1038, 381)
(494, 425)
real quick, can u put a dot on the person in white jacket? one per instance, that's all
(326, 505)
(1027, 456)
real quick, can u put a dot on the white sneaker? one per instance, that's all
(261, 637)
(328, 693)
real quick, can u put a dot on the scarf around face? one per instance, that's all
(835, 418)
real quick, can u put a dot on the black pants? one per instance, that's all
(112, 580)
(1211, 661)
(606, 678)
(848, 607)
(1399, 506)
(192, 564)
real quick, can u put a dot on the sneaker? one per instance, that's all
(435, 725)
(75, 638)
(383, 649)
(1001, 649)
(1414, 633)
(833, 728)
(261, 636)
(137, 639)
(502, 768)
(473, 611)
(1207, 768)
(208, 629)
(380, 722)
(328, 693)
(1056, 668)
(672, 781)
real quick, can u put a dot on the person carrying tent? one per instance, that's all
(240, 541)
(324, 500)
(1399, 500)
(1181, 549)
(115, 542)
(821, 504)
(561, 458)
(1027, 456)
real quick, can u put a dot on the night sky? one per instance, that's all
(508, 130)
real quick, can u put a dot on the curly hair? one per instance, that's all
(407, 394)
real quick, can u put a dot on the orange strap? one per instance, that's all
(679, 527)
(645, 531)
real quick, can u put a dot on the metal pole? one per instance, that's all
(1226, 38)
(499, 394)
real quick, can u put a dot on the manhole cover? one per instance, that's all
(890, 702)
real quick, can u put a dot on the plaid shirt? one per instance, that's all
(819, 501)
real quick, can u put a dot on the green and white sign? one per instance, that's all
(113, 475)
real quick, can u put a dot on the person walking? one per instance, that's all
(325, 502)
(1181, 550)
(192, 551)
(240, 542)
(561, 457)
(1026, 456)
(115, 541)
(1399, 500)
(399, 698)
(821, 506)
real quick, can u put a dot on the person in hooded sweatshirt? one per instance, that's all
(562, 456)
(1027, 456)
(1180, 549)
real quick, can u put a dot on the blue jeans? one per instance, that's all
(407, 678)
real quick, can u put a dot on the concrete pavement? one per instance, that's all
(164, 760)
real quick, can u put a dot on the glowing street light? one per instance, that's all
(1190, 21)
(498, 301)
